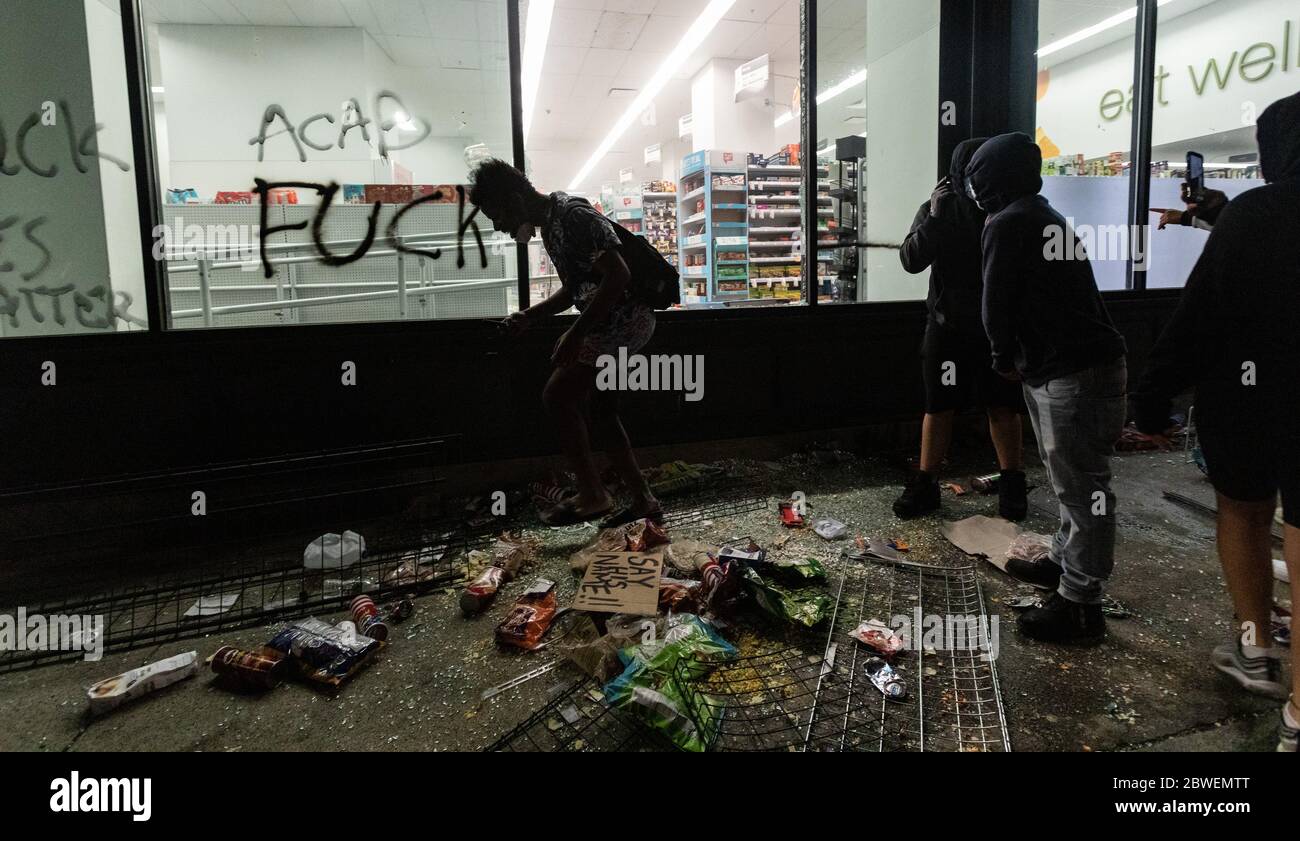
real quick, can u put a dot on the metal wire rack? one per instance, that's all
(810, 692)
(254, 593)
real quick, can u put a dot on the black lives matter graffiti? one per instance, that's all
(22, 294)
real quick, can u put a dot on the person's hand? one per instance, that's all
(942, 195)
(1168, 216)
(1211, 203)
(566, 349)
(517, 322)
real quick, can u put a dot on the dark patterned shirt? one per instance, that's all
(575, 236)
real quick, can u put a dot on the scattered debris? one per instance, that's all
(250, 671)
(884, 678)
(212, 605)
(830, 529)
(530, 618)
(113, 692)
(334, 551)
(879, 637)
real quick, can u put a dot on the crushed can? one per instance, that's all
(884, 678)
(252, 670)
(366, 616)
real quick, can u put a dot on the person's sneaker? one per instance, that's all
(1289, 733)
(1013, 495)
(1061, 620)
(1044, 573)
(1261, 675)
(920, 496)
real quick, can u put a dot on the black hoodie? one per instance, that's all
(949, 246)
(1044, 318)
(1236, 332)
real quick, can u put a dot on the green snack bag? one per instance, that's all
(798, 569)
(800, 608)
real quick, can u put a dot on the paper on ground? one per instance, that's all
(981, 535)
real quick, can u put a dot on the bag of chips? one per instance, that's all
(803, 609)
(325, 653)
(530, 618)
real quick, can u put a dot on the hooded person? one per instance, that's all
(1049, 330)
(1235, 337)
(945, 238)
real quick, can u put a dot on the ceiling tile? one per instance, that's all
(401, 17)
(226, 11)
(267, 12)
(601, 62)
(459, 53)
(618, 31)
(455, 19)
(410, 52)
(320, 12)
(754, 10)
(361, 14)
(567, 60)
(573, 27)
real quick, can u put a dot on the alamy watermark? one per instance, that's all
(966, 632)
(658, 372)
(178, 241)
(21, 631)
(1103, 243)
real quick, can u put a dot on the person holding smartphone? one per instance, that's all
(1235, 336)
(1203, 204)
(955, 356)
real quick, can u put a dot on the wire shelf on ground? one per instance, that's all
(281, 588)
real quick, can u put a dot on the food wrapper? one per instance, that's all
(482, 590)
(647, 689)
(679, 596)
(779, 603)
(879, 637)
(115, 691)
(801, 570)
(644, 535)
(530, 618)
(325, 653)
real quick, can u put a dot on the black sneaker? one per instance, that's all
(1044, 573)
(920, 496)
(1061, 620)
(1013, 495)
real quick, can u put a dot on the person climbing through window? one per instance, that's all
(584, 248)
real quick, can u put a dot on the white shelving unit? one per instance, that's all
(775, 232)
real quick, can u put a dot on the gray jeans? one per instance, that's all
(1077, 419)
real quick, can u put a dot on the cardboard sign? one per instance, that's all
(621, 582)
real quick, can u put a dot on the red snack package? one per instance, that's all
(479, 594)
(530, 618)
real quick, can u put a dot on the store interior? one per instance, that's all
(680, 120)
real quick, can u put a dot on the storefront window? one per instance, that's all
(1085, 125)
(878, 123)
(1219, 65)
(311, 157)
(676, 118)
(69, 231)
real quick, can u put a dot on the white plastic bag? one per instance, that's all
(332, 551)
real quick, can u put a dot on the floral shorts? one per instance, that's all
(630, 326)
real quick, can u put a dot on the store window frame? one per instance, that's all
(959, 76)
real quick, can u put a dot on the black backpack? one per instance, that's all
(655, 281)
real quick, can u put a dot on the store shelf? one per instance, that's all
(693, 194)
(774, 230)
(693, 219)
(658, 195)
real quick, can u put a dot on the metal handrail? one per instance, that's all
(204, 266)
(505, 283)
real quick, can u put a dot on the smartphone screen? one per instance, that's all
(1196, 176)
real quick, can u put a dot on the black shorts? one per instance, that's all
(1251, 461)
(958, 372)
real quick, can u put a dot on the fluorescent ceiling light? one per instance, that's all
(694, 36)
(827, 95)
(157, 90)
(1096, 29)
(537, 31)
